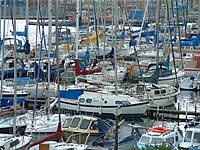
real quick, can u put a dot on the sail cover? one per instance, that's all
(80, 71)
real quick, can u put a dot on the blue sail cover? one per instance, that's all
(150, 79)
(86, 56)
(22, 80)
(23, 33)
(192, 42)
(121, 36)
(44, 75)
(62, 38)
(162, 40)
(26, 48)
(161, 63)
(11, 70)
(7, 101)
(108, 55)
(71, 93)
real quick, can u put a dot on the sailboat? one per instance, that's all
(13, 141)
(190, 83)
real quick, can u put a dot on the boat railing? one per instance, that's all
(144, 96)
(79, 134)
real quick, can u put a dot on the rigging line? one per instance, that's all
(126, 35)
(38, 73)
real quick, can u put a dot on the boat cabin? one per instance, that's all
(85, 127)
(191, 137)
(160, 135)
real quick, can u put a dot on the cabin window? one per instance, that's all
(118, 102)
(84, 124)
(75, 122)
(163, 91)
(82, 100)
(67, 123)
(157, 92)
(14, 143)
(144, 139)
(196, 138)
(170, 140)
(89, 100)
(156, 140)
(188, 136)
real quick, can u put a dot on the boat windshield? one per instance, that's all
(157, 140)
(188, 136)
(67, 123)
(196, 138)
(75, 122)
(85, 124)
(145, 140)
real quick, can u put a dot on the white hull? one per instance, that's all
(171, 80)
(105, 104)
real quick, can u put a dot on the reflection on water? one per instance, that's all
(188, 100)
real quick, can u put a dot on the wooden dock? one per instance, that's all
(169, 114)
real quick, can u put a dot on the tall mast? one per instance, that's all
(1, 55)
(77, 27)
(104, 36)
(15, 70)
(38, 3)
(57, 61)
(115, 53)
(49, 50)
(77, 32)
(157, 31)
(2, 50)
(27, 16)
(199, 18)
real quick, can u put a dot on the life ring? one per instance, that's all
(159, 129)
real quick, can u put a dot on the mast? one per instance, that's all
(112, 20)
(1, 56)
(27, 16)
(115, 53)
(15, 70)
(49, 50)
(38, 3)
(2, 50)
(157, 31)
(145, 12)
(199, 19)
(104, 37)
(57, 61)
(77, 32)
